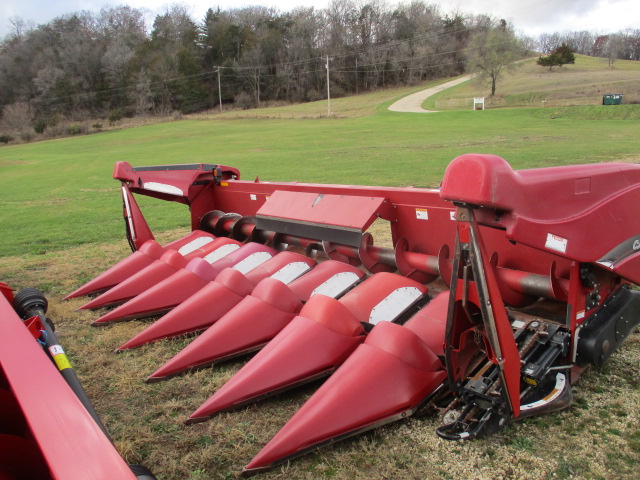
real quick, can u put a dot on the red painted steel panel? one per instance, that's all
(158, 270)
(349, 212)
(303, 349)
(552, 209)
(254, 321)
(247, 326)
(70, 441)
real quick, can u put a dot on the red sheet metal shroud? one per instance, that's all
(312, 345)
(214, 300)
(569, 200)
(61, 431)
(257, 318)
(178, 287)
(385, 379)
(148, 252)
(165, 266)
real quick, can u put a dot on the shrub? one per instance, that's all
(55, 130)
(244, 101)
(54, 120)
(5, 139)
(74, 129)
(40, 126)
(97, 126)
(114, 115)
(26, 136)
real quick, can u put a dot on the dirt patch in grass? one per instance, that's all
(598, 438)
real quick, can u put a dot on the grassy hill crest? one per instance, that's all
(580, 84)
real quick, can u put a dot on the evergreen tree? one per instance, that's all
(560, 55)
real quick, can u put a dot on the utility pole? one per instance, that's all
(219, 91)
(356, 75)
(328, 90)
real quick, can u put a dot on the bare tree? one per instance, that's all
(142, 94)
(492, 52)
(17, 117)
(20, 26)
(611, 47)
(548, 41)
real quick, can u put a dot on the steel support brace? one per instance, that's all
(473, 272)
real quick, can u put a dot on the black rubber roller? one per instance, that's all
(29, 301)
(142, 472)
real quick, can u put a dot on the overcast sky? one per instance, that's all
(529, 16)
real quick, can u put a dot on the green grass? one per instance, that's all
(61, 220)
(58, 194)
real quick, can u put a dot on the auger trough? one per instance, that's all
(502, 287)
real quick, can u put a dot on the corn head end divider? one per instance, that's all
(500, 289)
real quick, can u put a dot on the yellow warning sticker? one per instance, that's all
(422, 214)
(62, 361)
(57, 352)
(224, 184)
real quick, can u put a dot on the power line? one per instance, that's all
(313, 65)
(61, 100)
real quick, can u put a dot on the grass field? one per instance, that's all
(59, 193)
(61, 220)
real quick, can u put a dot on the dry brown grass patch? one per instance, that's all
(596, 439)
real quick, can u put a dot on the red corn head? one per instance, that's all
(259, 317)
(168, 264)
(386, 379)
(148, 252)
(190, 242)
(314, 343)
(175, 289)
(304, 350)
(218, 297)
(430, 323)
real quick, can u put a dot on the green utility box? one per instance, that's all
(612, 99)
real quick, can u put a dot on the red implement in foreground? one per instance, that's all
(530, 277)
(45, 431)
(385, 379)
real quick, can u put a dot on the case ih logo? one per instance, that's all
(636, 245)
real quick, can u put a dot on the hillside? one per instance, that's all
(583, 83)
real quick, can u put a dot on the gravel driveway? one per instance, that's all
(412, 103)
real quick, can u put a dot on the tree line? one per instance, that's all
(110, 61)
(112, 64)
(624, 45)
